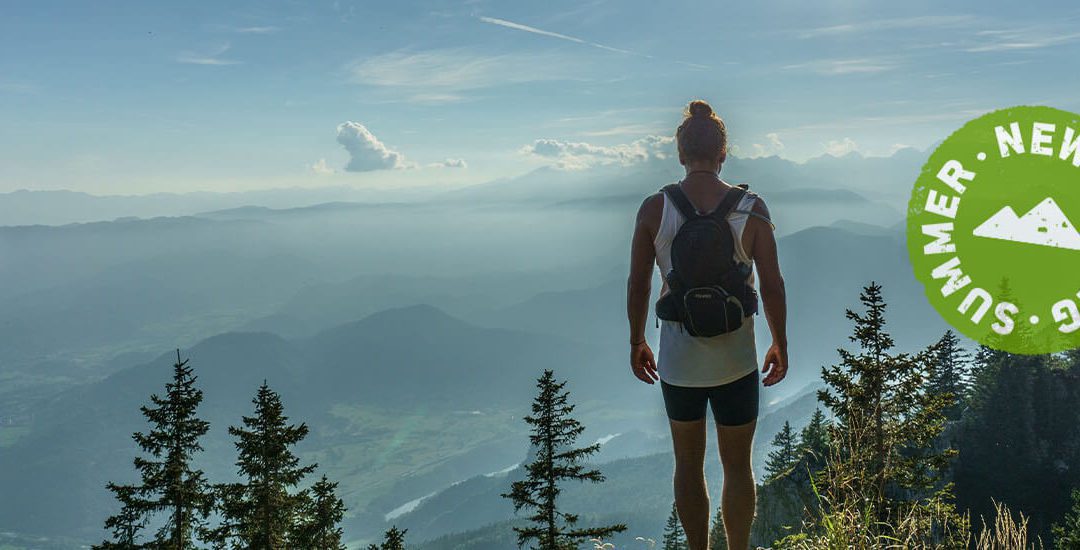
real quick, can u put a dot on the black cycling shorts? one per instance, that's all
(733, 404)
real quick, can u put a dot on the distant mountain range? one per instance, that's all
(406, 328)
(880, 176)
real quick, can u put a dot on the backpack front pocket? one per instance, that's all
(711, 311)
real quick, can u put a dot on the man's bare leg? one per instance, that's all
(691, 493)
(739, 496)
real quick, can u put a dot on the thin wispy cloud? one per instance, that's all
(256, 30)
(863, 122)
(1029, 38)
(243, 29)
(877, 25)
(448, 75)
(210, 58)
(624, 130)
(832, 67)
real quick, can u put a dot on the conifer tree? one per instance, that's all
(320, 515)
(717, 535)
(259, 512)
(814, 443)
(1022, 420)
(393, 540)
(785, 453)
(887, 421)
(674, 537)
(1067, 532)
(127, 524)
(172, 492)
(554, 433)
(951, 373)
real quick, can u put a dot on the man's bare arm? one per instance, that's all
(773, 294)
(639, 290)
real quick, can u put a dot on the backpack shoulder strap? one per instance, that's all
(675, 193)
(729, 202)
(751, 211)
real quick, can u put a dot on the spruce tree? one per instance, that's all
(674, 537)
(172, 492)
(394, 539)
(814, 443)
(1067, 532)
(785, 453)
(951, 373)
(320, 515)
(126, 525)
(259, 512)
(717, 535)
(887, 421)
(554, 433)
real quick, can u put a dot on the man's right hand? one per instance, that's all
(776, 364)
(643, 364)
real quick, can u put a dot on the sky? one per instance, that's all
(139, 97)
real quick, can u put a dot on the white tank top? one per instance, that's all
(685, 360)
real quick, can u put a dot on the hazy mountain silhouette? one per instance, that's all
(822, 281)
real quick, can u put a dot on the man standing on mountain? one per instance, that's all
(706, 236)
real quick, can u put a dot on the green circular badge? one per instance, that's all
(991, 232)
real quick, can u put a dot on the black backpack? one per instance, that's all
(709, 293)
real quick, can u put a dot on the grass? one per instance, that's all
(371, 450)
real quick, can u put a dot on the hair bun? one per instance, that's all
(699, 108)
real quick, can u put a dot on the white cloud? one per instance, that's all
(366, 151)
(321, 168)
(774, 147)
(444, 75)
(832, 67)
(450, 163)
(839, 148)
(207, 58)
(570, 155)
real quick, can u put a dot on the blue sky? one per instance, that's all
(138, 97)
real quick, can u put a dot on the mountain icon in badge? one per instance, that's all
(1044, 225)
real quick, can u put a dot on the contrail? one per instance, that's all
(574, 39)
